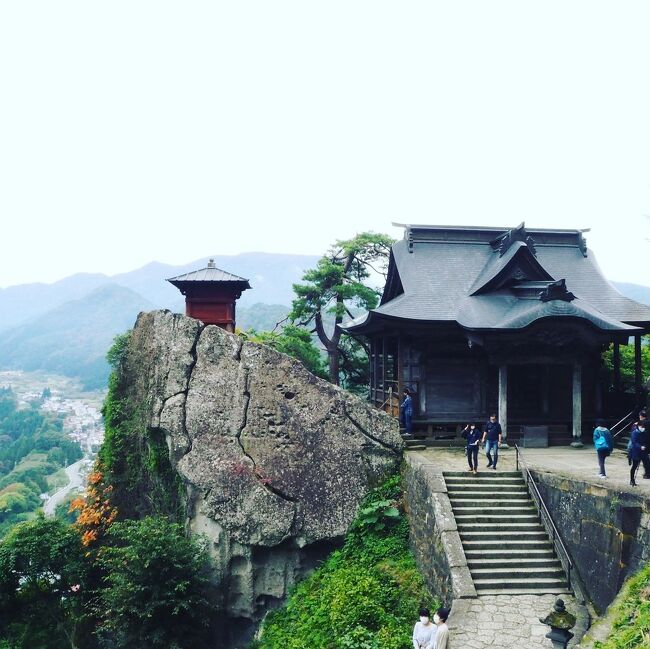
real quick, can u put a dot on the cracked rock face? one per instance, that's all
(275, 460)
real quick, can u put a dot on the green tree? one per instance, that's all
(293, 341)
(43, 573)
(337, 287)
(155, 591)
(628, 363)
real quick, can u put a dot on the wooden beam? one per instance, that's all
(617, 367)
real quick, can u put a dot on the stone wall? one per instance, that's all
(433, 533)
(607, 532)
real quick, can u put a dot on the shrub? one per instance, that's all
(365, 595)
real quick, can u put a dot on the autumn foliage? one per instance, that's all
(96, 514)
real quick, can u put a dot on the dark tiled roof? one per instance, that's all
(209, 274)
(440, 269)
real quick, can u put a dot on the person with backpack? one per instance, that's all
(604, 445)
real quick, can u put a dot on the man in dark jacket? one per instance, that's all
(406, 411)
(492, 439)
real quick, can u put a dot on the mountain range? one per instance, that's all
(66, 327)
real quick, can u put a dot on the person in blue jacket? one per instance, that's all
(637, 450)
(472, 433)
(406, 411)
(604, 445)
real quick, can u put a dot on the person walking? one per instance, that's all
(472, 435)
(406, 412)
(492, 439)
(637, 449)
(604, 445)
(424, 632)
(442, 634)
(645, 456)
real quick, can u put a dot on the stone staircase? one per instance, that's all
(508, 551)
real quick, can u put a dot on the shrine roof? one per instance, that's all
(209, 274)
(493, 278)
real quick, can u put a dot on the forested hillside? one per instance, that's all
(33, 450)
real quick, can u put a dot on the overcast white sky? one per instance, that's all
(134, 131)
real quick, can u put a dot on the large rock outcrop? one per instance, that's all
(274, 460)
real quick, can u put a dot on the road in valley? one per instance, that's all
(76, 481)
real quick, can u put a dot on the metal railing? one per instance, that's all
(546, 520)
(623, 423)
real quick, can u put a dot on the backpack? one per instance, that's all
(601, 443)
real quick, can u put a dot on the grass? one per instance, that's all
(33, 460)
(57, 480)
(631, 628)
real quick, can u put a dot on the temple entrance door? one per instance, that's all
(540, 393)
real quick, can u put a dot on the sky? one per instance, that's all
(168, 131)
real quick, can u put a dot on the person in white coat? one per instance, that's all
(424, 632)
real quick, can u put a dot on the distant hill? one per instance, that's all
(73, 338)
(271, 277)
(261, 317)
(634, 291)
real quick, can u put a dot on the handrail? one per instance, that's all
(544, 513)
(630, 416)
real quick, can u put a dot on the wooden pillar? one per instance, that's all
(372, 371)
(400, 367)
(617, 367)
(638, 378)
(383, 372)
(577, 405)
(503, 401)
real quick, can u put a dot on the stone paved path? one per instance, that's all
(506, 621)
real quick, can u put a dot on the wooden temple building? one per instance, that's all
(210, 295)
(477, 320)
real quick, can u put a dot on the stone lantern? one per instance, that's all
(560, 621)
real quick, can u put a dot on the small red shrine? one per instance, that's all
(210, 295)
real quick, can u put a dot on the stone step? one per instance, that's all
(504, 535)
(502, 474)
(524, 591)
(505, 544)
(514, 554)
(532, 526)
(486, 561)
(468, 510)
(489, 487)
(457, 501)
(485, 477)
(486, 518)
(415, 447)
(489, 494)
(539, 584)
(519, 572)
